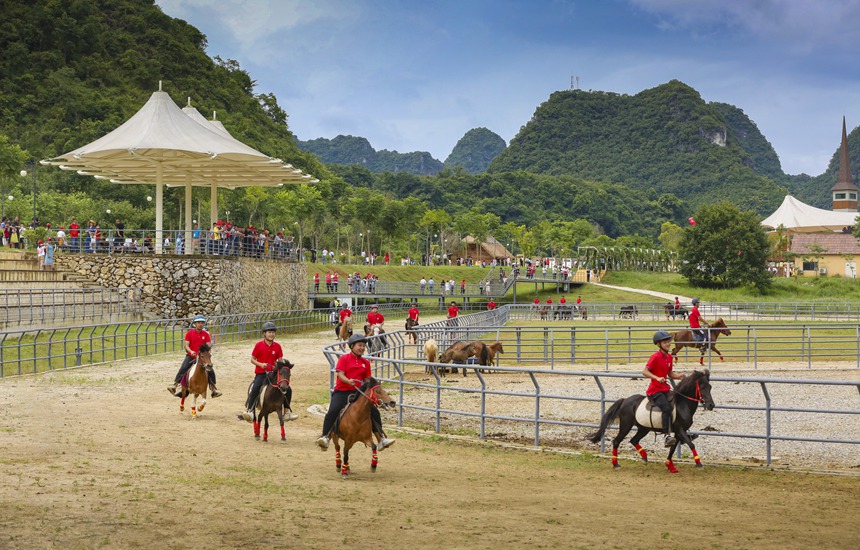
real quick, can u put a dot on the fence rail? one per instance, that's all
(50, 305)
(553, 389)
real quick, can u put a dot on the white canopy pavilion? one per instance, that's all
(163, 145)
(799, 217)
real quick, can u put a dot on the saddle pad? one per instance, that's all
(651, 416)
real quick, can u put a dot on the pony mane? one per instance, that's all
(685, 386)
(368, 383)
(204, 348)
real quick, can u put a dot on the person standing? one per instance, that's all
(40, 252)
(316, 283)
(194, 338)
(265, 354)
(75, 234)
(49, 254)
(118, 237)
(491, 305)
(351, 370)
(453, 312)
(658, 368)
(463, 287)
(431, 282)
(579, 303)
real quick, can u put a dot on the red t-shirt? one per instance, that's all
(660, 364)
(549, 301)
(375, 318)
(578, 301)
(334, 277)
(328, 277)
(537, 301)
(491, 305)
(353, 367)
(413, 313)
(344, 313)
(563, 301)
(196, 339)
(694, 318)
(267, 354)
(453, 311)
(317, 278)
(74, 230)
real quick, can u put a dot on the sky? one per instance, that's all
(416, 75)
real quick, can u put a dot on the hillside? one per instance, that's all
(475, 150)
(349, 150)
(665, 138)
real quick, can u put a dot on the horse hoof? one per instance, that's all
(284, 439)
(616, 467)
(256, 436)
(645, 461)
(700, 465)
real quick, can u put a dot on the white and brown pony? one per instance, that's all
(196, 380)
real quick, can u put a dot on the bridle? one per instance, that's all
(371, 395)
(279, 379)
(697, 397)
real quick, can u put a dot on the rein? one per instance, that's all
(374, 400)
(278, 379)
(698, 396)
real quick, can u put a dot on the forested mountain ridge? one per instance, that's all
(476, 150)
(665, 138)
(357, 150)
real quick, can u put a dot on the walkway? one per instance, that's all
(664, 295)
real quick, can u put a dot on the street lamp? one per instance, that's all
(148, 198)
(32, 165)
(228, 215)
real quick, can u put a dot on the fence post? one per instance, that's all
(573, 345)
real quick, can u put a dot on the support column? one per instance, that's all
(189, 249)
(213, 204)
(159, 208)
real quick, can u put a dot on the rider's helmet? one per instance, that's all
(268, 325)
(695, 301)
(661, 335)
(198, 318)
(356, 338)
(345, 306)
(374, 306)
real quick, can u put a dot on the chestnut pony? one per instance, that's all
(684, 338)
(196, 380)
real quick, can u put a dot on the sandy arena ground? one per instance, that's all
(100, 457)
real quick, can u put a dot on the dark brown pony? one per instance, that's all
(544, 312)
(458, 352)
(355, 426)
(486, 353)
(411, 333)
(196, 380)
(684, 338)
(275, 398)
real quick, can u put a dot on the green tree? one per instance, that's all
(726, 248)
(670, 236)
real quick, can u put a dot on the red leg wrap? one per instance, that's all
(375, 460)
(615, 456)
(695, 455)
(256, 428)
(641, 450)
(265, 435)
(337, 459)
(344, 470)
(283, 434)
(671, 466)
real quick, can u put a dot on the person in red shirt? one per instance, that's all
(350, 371)
(453, 311)
(658, 368)
(374, 318)
(491, 305)
(264, 355)
(194, 338)
(317, 283)
(74, 234)
(463, 287)
(696, 321)
(413, 312)
(335, 279)
(328, 281)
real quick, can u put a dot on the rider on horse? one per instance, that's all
(194, 338)
(374, 318)
(658, 368)
(351, 370)
(344, 313)
(413, 312)
(695, 319)
(264, 355)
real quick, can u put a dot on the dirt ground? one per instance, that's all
(101, 457)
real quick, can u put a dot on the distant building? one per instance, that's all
(489, 250)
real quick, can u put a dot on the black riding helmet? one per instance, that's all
(268, 325)
(661, 335)
(354, 339)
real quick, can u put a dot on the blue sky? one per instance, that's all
(415, 75)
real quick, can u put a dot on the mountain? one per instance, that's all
(475, 150)
(665, 138)
(816, 190)
(357, 150)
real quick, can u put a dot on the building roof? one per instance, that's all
(844, 182)
(834, 243)
(491, 246)
(799, 217)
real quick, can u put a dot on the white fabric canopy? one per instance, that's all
(803, 218)
(163, 145)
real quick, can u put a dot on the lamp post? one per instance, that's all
(32, 165)
(228, 215)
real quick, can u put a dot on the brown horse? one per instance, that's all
(196, 380)
(544, 312)
(346, 328)
(275, 398)
(492, 350)
(486, 353)
(458, 352)
(684, 338)
(411, 333)
(355, 426)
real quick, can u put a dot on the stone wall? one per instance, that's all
(176, 286)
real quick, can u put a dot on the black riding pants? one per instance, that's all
(256, 385)
(338, 402)
(660, 400)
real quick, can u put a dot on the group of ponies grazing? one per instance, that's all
(460, 352)
(354, 424)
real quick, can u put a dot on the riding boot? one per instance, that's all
(215, 391)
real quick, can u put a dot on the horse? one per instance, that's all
(544, 312)
(684, 338)
(486, 353)
(584, 313)
(628, 312)
(376, 341)
(431, 349)
(458, 352)
(196, 380)
(345, 329)
(630, 411)
(411, 333)
(274, 397)
(354, 424)
(672, 311)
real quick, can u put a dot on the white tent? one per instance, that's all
(799, 217)
(162, 145)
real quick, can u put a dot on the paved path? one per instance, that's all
(669, 297)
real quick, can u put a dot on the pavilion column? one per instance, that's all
(189, 248)
(159, 207)
(213, 204)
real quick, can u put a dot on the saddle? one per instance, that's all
(649, 415)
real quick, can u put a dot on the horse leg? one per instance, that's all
(281, 420)
(256, 423)
(669, 464)
(715, 350)
(194, 406)
(203, 404)
(344, 469)
(336, 440)
(640, 433)
(182, 404)
(623, 430)
(684, 437)
(374, 460)
(266, 426)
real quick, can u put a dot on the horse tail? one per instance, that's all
(604, 422)
(485, 355)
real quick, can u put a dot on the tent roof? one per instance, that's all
(161, 137)
(803, 218)
(491, 246)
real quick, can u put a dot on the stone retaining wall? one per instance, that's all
(185, 286)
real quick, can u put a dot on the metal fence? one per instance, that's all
(25, 351)
(51, 305)
(547, 391)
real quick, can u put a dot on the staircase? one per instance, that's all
(30, 297)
